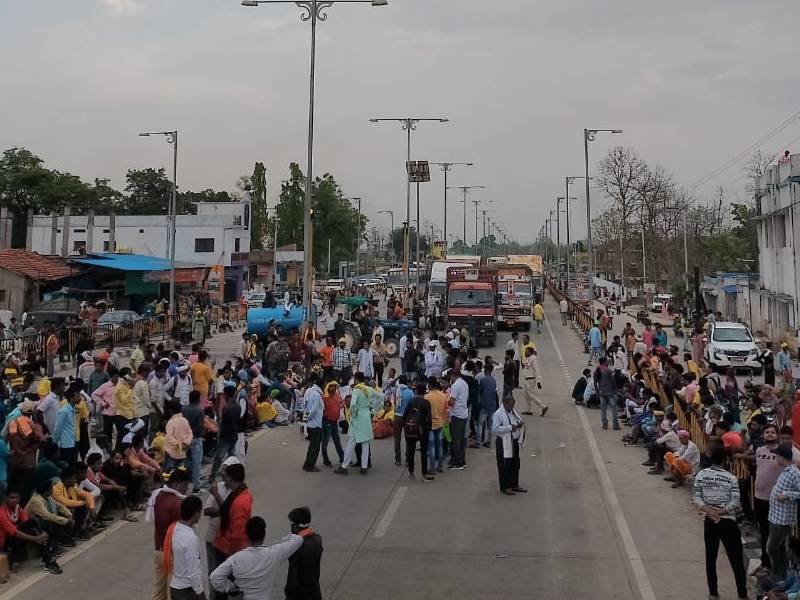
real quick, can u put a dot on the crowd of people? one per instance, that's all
(668, 396)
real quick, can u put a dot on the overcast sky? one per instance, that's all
(691, 83)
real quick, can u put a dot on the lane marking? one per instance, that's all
(34, 578)
(391, 511)
(621, 523)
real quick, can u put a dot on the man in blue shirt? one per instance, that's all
(313, 408)
(595, 342)
(64, 429)
(403, 396)
(782, 510)
(487, 389)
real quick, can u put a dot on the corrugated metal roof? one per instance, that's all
(33, 265)
(130, 262)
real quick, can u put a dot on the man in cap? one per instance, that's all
(784, 359)
(595, 339)
(716, 494)
(342, 360)
(782, 510)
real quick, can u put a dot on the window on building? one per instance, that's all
(79, 246)
(2, 295)
(78, 231)
(237, 244)
(105, 246)
(203, 244)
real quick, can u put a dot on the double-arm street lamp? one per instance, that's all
(408, 125)
(172, 138)
(589, 135)
(312, 11)
(447, 167)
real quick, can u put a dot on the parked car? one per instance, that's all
(117, 318)
(11, 342)
(659, 300)
(38, 317)
(732, 345)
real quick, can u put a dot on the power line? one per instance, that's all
(751, 148)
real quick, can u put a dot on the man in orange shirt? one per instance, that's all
(235, 510)
(202, 374)
(326, 352)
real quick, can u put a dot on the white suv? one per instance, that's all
(732, 345)
(659, 300)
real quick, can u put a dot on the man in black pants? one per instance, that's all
(716, 494)
(17, 530)
(417, 426)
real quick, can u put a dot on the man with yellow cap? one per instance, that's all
(784, 359)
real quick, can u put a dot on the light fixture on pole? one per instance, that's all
(408, 125)
(589, 135)
(391, 234)
(419, 171)
(313, 11)
(569, 180)
(172, 138)
(447, 167)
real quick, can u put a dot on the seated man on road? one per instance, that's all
(17, 530)
(684, 462)
(79, 502)
(668, 442)
(54, 518)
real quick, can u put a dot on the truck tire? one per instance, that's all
(353, 336)
(392, 347)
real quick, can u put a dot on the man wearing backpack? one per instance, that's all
(417, 426)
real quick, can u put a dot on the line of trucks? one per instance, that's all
(486, 293)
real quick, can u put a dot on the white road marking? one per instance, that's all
(621, 523)
(391, 511)
(31, 580)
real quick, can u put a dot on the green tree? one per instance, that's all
(148, 193)
(258, 208)
(397, 244)
(290, 208)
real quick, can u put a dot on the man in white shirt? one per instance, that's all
(255, 568)
(327, 323)
(459, 415)
(187, 570)
(563, 309)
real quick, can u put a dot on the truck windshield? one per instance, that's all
(437, 287)
(471, 299)
(523, 289)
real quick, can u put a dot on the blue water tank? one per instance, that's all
(258, 319)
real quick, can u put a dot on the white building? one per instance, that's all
(775, 308)
(218, 235)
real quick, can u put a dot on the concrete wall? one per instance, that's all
(14, 288)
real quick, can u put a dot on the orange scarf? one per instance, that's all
(168, 549)
(308, 532)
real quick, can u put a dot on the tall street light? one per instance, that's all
(447, 167)
(358, 237)
(589, 135)
(391, 234)
(569, 180)
(172, 138)
(477, 203)
(313, 11)
(408, 125)
(464, 189)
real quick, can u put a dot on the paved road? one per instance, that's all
(593, 525)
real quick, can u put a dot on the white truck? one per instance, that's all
(437, 286)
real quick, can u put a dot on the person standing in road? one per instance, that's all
(314, 407)
(302, 581)
(342, 362)
(716, 494)
(332, 408)
(363, 400)
(164, 509)
(402, 397)
(195, 417)
(366, 358)
(417, 427)
(767, 472)
(182, 553)
(234, 513)
(253, 570)
(607, 389)
(782, 510)
(530, 374)
(510, 430)
(487, 389)
(438, 401)
(538, 315)
(459, 415)
(767, 358)
(513, 344)
(509, 370)
(563, 309)
(595, 339)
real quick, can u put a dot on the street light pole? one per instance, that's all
(358, 237)
(172, 138)
(447, 167)
(408, 125)
(391, 234)
(313, 11)
(465, 189)
(589, 135)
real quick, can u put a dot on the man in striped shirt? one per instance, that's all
(716, 494)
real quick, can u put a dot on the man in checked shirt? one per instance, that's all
(342, 361)
(716, 494)
(782, 510)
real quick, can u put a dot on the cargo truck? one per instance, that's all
(515, 294)
(534, 261)
(471, 302)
